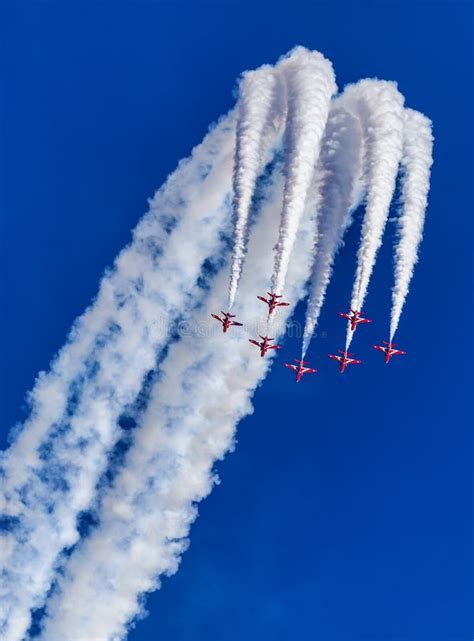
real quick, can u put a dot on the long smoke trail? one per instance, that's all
(310, 85)
(258, 93)
(416, 165)
(340, 176)
(379, 106)
(53, 470)
(50, 473)
(189, 423)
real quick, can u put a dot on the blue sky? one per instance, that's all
(345, 513)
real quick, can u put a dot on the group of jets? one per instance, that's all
(344, 358)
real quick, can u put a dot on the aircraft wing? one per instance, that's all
(309, 370)
(398, 352)
(238, 324)
(274, 347)
(334, 357)
(217, 317)
(380, 348)
(354, 361)
(293, 367)
(262, 298)
(254, 342)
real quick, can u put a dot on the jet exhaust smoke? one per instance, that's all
(321, 156)
(379, 106)
(189, 423)
(49, 474)
(310, 85)
(416, 167)
(257, 96)
(339, 175)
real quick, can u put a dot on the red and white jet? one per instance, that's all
(344, 360)
(389, 351)
(354, 317)
(226, 320)
(264, 344)
(300, 369)
(272, 302)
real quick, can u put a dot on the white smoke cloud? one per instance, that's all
(379, 106)
(340, 179)
(204, 390)
(310, 85)
(416, 166)
(50, 473)
(258, 123)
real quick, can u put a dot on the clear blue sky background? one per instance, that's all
(345, 514)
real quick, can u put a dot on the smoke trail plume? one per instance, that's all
(50, 473)
(379, 105)
(60, 463)
(340, 179)
(416, 165)
(189, 423)
(258, 93)
(310, 84)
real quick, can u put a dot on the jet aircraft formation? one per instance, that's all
(344, 358)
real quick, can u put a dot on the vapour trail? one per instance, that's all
(189, 424)
(416, 167)
(340, 179)
(258, 93)
(379, 106)
(310, 85)
(50, 473)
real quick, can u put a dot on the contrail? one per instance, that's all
(204, 390)
(310, 85)
(177, 266)
(379, 105)
(50, 473)
(256, 111)
(340, 179)
(416, 166)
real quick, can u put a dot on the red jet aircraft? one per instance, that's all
(226, 320)
(344, 360)
(389, 351)
(300, 369)
(354, 317)
(272, 302)
(264, 344)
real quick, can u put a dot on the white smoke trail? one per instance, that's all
(310, 85)
(205, 389)
(50, 473)
(339, 177)
(416, 165)
(256, 109)
(379, 106)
